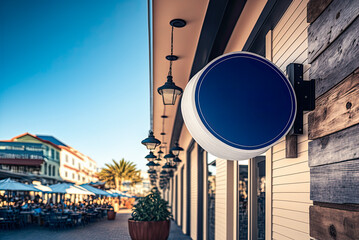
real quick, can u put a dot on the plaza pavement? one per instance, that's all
(103, 229)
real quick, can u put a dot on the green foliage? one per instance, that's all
(151, 208)
(114, 174)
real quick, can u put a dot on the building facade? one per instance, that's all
(77, 167)
(19, 159)
(56, 161)
(50, 167)
(278, 195)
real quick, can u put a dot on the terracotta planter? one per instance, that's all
(111, 215)
(149, 230)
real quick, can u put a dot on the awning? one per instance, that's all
(22, 162)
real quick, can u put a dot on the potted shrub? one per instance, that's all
(150, 218)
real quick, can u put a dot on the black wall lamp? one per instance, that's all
(169, 91)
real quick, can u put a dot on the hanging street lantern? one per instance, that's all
(177, 161)
(150, 156)
(151, 142)
(170, 156)
(151, 164)
(166, 167)
(176, 149)
(169, 91)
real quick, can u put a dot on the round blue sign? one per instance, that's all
(241, 100)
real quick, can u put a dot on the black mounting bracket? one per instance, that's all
(305, 94)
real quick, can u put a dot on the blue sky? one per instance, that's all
(77, 70)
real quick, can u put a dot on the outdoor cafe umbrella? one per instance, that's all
(116, 193)
(11, 185)
(43, 188)
(95, 190)
(70, 189)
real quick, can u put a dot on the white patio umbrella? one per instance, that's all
(95, 190)
(70, 189)
(43, 188)
(116, 193)
(11, 185)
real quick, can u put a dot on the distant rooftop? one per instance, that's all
(52, 139)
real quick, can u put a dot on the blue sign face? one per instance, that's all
(238, 106)
(245, 101)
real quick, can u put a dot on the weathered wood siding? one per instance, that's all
(333, 125)
(290, 176)
(329, 223)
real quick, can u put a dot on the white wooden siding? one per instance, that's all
(194, 191)
(290, 180)
(224, 214)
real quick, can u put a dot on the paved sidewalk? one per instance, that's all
(103, 229)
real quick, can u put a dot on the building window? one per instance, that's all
(49, 170)
(67, 158)
(90, 164)
(45, 168)
(73, 175)
(66, 174)
(83, 179)
(73, 161)
(53, 171)
(79, 166)
(57, 155)
(78, 177)
(211, 180)
(52, 153)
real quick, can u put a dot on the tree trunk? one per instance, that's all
(117, 183)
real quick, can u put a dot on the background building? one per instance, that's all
(21, 160)
(48, 158)
(50, 167)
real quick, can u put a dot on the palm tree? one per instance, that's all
(115, 173)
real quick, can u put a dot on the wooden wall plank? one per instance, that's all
(296, 206)
(335, 183)
(337, 109)
(333, 21)
(290, 232)
(295, 215)
(315, 8)
(327, 222)
(336, 147)
(294, 178)
(289, 223)
(338, 61)
(298, 197)
(287, 18)
(294, 187)
(292, 169)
